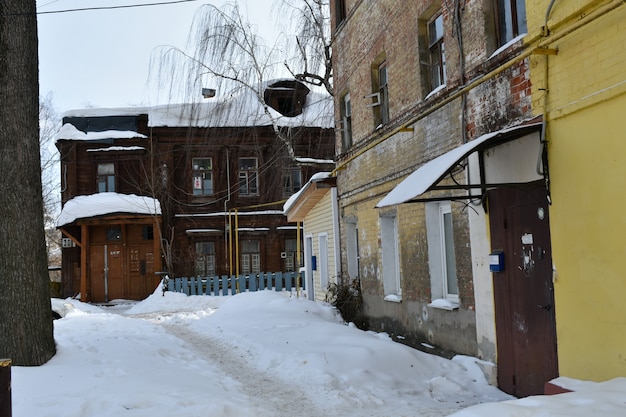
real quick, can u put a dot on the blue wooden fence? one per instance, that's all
(230, 285)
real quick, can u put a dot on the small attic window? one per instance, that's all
(286, 97)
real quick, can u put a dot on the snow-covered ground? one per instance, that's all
(256, 355)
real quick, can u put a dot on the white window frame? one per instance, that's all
(352, 249)
(323, 266)
(390, 258)
(441, 267)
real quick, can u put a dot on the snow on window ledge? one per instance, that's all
(435, 91)
(394, 298)
(506, 45)
(444, 304)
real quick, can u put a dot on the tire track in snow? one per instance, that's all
(269, 396)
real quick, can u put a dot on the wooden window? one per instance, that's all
(248, 176)
(292, 180)
(250, 256)
(202, 176)
(106, 178)
(205, 259)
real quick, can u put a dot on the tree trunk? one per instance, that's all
(26, 330)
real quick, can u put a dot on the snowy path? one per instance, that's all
(267, 395)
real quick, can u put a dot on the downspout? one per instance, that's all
(543, 143)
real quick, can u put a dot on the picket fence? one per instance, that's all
(230, 285)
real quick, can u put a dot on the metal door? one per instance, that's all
(523, 291)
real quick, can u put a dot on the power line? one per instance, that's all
(128, 6)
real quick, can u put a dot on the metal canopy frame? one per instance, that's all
(482, 185)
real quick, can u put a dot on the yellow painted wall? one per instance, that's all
(586, 130)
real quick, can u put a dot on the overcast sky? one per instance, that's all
(100, 58)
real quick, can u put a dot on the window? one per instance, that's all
(380, 95)
(390, 258)
(510, 20)
(383, 90)
(291, 254)
(250, 257)
(147, 232)
(323, 261)
(248, 176)
(106, 178)
(340, 11)
(205, 259)
(352, 249)
(346, 122)
(436, 55)
(202, 176)
(292, 180)
(114, 234)
(442, 259)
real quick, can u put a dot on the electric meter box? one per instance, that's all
(496, 261)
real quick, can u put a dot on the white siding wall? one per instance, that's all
(318, 221)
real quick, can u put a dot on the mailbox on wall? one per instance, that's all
(496, 261)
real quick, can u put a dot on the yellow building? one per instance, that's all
(579, 86)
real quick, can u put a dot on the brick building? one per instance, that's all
(436, 139)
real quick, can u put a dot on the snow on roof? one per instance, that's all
(69, 132)
(243, 109)
(307, 160)
(294, 197)
(118, 148)
(86, 206)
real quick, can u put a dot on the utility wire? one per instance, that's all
(128, 6)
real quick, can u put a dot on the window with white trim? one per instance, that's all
(390, 258)
(250, 256)
(441, 254)
(323, 261)
(202, 176)
(352, 249)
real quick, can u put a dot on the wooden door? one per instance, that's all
(106, 273)
(523, 291)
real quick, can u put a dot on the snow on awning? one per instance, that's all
(426, 177)
(86, 206)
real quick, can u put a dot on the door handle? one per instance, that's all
(547, 307)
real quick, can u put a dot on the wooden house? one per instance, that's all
(218, 173)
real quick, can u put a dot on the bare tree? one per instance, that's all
(26, 331)
(309, 57)
(49, 124)
(228, 54)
